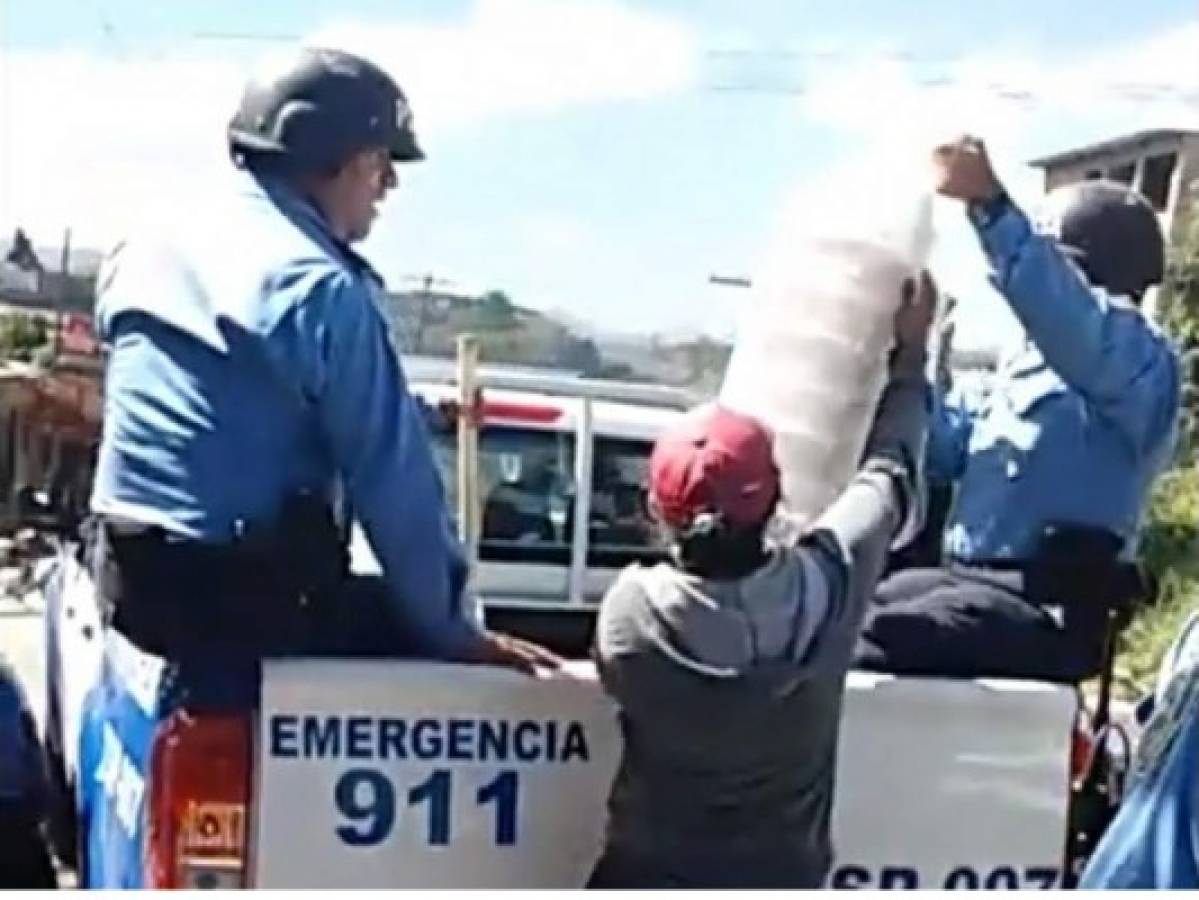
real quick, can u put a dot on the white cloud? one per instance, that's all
(91, 140)
(513, 57)
(888, 101)
(1151, 82)
(86, 139)
(1154, 82)
(554, 233)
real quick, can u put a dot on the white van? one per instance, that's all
(555, 451)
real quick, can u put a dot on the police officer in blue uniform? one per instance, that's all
(1153, 842)
(1053, 468)
(251, 387)
(24, 792)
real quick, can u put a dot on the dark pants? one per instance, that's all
(24, 856)
(624, 871)
(612, 873)
(174, 599)
(963, 622)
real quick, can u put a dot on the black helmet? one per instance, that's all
(1111, 231)
(317, 110)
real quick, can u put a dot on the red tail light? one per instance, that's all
(1082, 748)
(199, 802)
(520, 412)
(501, 411)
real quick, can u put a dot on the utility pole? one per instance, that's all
(424, 306)
(422, 314)
(469, 419)
(60, 299)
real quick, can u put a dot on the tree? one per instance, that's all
(1168, 542)
(706, 360)
(496, 311)
(617, 372)
(21, 335)
(580, 354)
(1179, 307)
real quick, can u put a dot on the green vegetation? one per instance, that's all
(22, 336)
(427, 324)
(1168, 550)
(1170, 544)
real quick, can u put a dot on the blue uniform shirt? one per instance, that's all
(1077, 424)
(22, 777)
(249, 361)
(1154, 840)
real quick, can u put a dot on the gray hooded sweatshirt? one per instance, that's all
(730, 691)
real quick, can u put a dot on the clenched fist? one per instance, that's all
(962, 171)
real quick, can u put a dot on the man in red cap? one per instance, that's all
(729, 664)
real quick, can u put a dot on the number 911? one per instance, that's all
(367, 800)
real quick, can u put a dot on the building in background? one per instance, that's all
(1162, 164)
(50, 382)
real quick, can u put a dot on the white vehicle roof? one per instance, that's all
(553, 382)
(541, 411)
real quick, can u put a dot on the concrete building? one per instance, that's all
(1162, 164)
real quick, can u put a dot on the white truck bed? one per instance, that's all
(940, 783)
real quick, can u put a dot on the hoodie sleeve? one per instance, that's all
(885, 499)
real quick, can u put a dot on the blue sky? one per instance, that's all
(581, 156)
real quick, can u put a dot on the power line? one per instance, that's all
(824, 55)
(244, 36)
(793, 90)
(1010, 92)
(780, 71)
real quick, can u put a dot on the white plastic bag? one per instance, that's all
(810, 359)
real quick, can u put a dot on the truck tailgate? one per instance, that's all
(406, 774)
(397, 774)
(945, 783)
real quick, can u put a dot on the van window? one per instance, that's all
(621, 529)
(527, 490)
(526, 485)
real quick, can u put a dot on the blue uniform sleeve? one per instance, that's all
(950, 423)
(1101, 346)
(1153, 842)
(379, 442)
(22, 776)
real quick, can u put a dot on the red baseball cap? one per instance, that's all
(715, 461)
